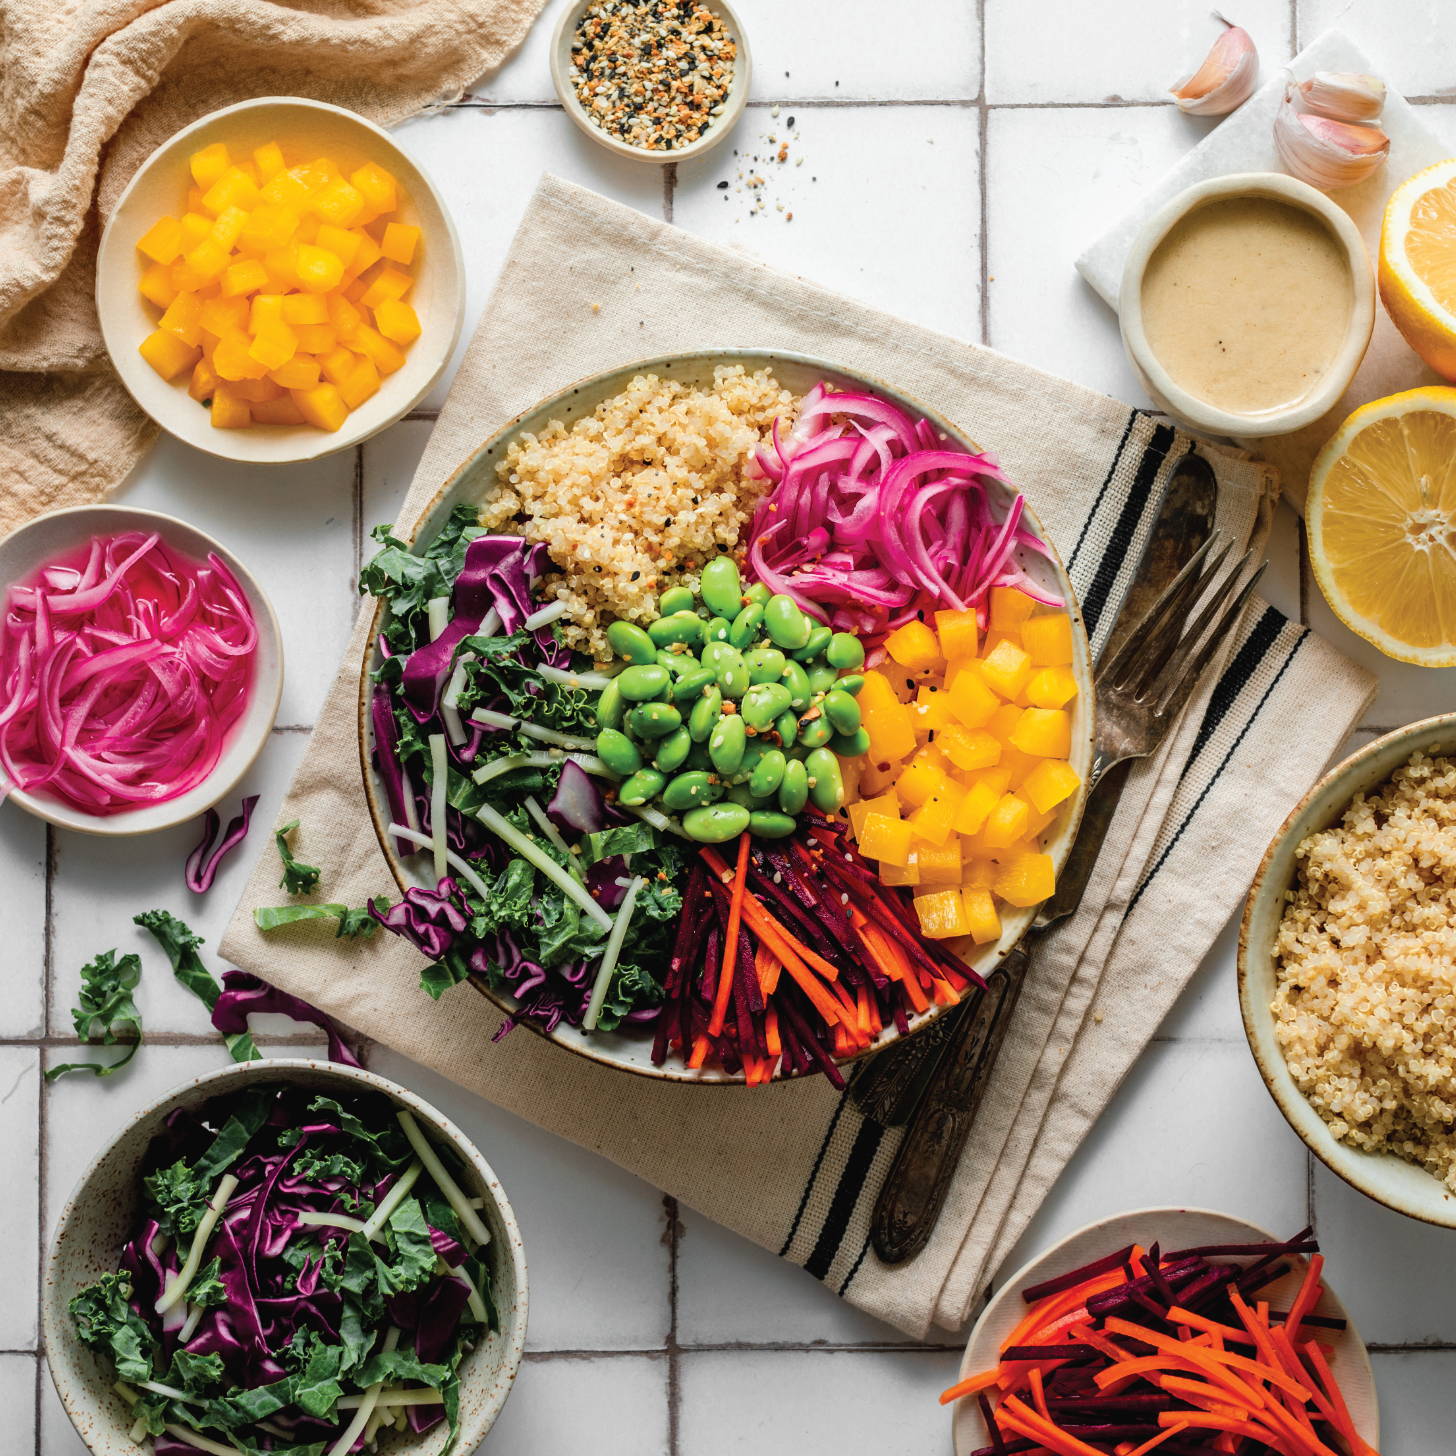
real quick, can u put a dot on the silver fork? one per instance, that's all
(1141, 689)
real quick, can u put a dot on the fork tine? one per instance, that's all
(1135, 653)
(1164, 639)
(1180, 676)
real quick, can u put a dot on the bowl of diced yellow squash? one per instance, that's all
(279, 281)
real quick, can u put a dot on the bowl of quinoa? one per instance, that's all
(1347, 970)
(660, 80)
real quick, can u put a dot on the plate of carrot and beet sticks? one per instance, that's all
(1175, 1331)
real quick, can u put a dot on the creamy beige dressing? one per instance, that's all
(1246, 303)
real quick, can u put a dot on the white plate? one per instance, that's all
(1173, 1228)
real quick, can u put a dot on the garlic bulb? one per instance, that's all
(1226, 78)
(1343, 95)
(1324, 152)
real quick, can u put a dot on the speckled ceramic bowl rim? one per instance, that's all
(1319, 401)
(733, 104)
(760, 358)
(56, 1331)
(225, 775)
(1334, 792)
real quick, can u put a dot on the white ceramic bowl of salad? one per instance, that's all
(104, 1211)
(476, 479)
(60, 536)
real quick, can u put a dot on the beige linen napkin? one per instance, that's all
(590, 285)
(87, 92)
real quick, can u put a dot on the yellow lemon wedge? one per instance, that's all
(1381, 518)
(1417, 271)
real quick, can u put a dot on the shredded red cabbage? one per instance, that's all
(124, 668)
(202, 867)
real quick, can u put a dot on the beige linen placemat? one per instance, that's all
(590, 285)
(87, 92)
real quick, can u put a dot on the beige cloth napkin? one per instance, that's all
(87, 91)
(590, 285)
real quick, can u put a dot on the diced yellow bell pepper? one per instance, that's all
(256, 391)
(224, 316)
(1049, 783)
(318, 269)
(934, 819)
(397, 321)
(344, 317)
(1036, 824)
(1027, 880)
(183, 317)
(299, 372)
(338, 364)
(977, 872)
(362, 382)
(269, 226)
(1051, 687)
(343, 243)
(912, 645)
(930, 710)
(1006, 822)
(388, 283)
(975, 807)
(922, 776)
(942, 914)
(284, 189)
(264, 311)
(234, 360)
(243, 277)
(886, 839)
(204, 381)
(268, 159)
(366, 254)
(317, 339)
(959, 632)
(1043, 733)
(1003, 721)
(338, 202)
(282, 266)
(1006, 668)
(156, 285)
(168, 354)
(971, 700)
(1009, 609)
(983, 924)
(208, 164)
(162, 242)
(280, 411)
(939, 864)
(208, 259)
(885, 718)
(273, 345)
(877, 778)
(321, 406)
(968, 748)
(399, 242)
(906, 874)
(377, 187)
(195, 227)
(228, 225)
(233, 189)
(229, 410)
(887, 804)
(1048, 639)
(305, 308)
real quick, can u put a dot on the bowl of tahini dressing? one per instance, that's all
(1247, 304)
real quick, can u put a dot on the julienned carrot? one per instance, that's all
(730, 940)
(1153, 1442)
(1026, 1422)
(970, 1385)
(1308, 1296)
(1343, 1422)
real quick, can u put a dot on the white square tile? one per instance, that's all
(23, 876)
(1396, 1274)
(17, 1391)
(20, 1208)
(389, 467)
(594, 1235)
(1415, 1400)
(742, 1403)
(100, 884)
(1194, 1126)
(607, 1405)
(57, 1435)
(885, 206)
(487, 163)
(1055, 181)
(730, 1291)
(1208, 1009)
(292, 527)
(1408, 41)
(1067, 50)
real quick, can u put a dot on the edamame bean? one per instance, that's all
(689, 687)
(654, 720)
(628, 640)
(642, 683)
(609, 706)
(851, 745)
(765, 664)
(645, 784)
(768, 825)
(714, 823)
(745, 625)
(794, 787)
(762, 703)
(718, 629)
(618, 752)
(672, 751)
(797, 681)
(815, 732)
(844, 651)
(819, 636)
(722, 587)
(684, 627)
(753, 750)
(768, 773)
(841, 710)
(705, 713)
(698, 760)
(726, 743)
(713, 649)
(676, 599)
(850, 684)
(822, 677)
(758, 592)
(690, 790)
(739, 794)
(786, 725)
(785, 622)
(732, 672)
(826, 782)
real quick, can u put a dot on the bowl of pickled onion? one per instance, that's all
(140, 669)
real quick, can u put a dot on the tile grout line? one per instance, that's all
(669, 190)
(672, 1234)
(42, 1112)
(358, 493)
(983, 134)
(748, 1347)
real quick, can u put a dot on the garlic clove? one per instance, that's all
(1343, 95)
(1226, 78)
(1324, 152)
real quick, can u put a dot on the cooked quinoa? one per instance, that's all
(638, 494)
(1365, 964)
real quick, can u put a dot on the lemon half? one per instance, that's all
(1417, 270)
(1381, 517)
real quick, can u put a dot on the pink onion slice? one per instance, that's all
(124, 669)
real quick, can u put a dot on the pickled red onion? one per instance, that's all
(124, 668)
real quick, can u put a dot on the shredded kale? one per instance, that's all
(181, 945)
(350, 922)
(104, 1011)
(298, 878)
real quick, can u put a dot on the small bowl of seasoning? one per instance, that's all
(1247, 304)
(660, 80)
